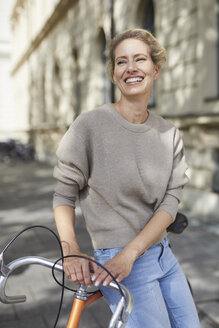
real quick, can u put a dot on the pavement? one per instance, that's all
(26, 199)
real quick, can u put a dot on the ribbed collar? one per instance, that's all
(128, 125)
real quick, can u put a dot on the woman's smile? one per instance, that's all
(134, 80)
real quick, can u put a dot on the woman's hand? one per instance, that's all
(78, 269)
(120, 267)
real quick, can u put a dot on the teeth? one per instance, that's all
(134, 79)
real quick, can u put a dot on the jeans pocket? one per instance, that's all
(101, 257)
(143, 254)
(104, 255)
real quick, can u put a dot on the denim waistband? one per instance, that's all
(165, 243)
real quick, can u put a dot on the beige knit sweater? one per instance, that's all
(122, 172)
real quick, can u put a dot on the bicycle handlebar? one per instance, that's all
(119, 317)
(6, 270)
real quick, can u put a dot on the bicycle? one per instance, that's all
(82, 299)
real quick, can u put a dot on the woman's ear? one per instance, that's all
(113, 79)
(156, 71)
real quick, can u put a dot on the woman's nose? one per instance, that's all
(131, 67)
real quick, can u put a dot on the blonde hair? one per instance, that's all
(157, 52)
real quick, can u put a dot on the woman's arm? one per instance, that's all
(76, 269)
(120, 266)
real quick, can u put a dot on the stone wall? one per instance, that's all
(188, 95)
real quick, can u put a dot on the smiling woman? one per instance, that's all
(157, 52)
(135, 60)
(134, 71)
(128, 183)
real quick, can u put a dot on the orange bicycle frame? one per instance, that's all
(78, 307)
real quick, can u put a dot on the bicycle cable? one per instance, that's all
(62, 284)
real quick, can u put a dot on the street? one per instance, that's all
(26, 199)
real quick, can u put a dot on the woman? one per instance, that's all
(127, 166)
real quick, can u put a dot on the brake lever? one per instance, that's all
(4, 274)
(4, 270)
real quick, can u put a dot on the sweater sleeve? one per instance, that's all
(177, 179)
(71, 170)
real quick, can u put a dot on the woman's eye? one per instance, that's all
(140, 59)
(121, 62)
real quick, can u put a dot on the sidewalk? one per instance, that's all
(26, 199)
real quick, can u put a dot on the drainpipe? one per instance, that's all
(112, 31)
(218, 49)
(216, 97)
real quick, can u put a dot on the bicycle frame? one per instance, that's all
(81, 298)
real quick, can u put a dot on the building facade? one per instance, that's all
(7, 109)
(59, 59)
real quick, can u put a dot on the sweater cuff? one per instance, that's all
(65, 195)
(169, 205)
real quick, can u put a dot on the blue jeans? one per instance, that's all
(162, 298)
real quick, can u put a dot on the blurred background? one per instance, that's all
(52, 68)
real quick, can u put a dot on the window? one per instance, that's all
(76, 83)
(210, 63)
(215, 178)
(104, 54)
(146, 17)
(57, 80)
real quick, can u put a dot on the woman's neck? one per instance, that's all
(132, 111)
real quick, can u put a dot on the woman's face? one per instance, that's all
(134, 71)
